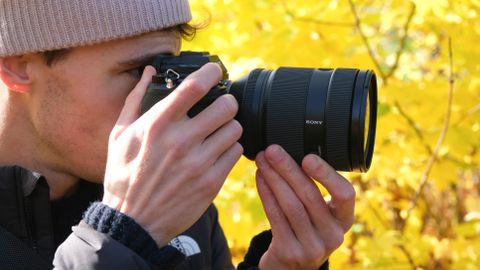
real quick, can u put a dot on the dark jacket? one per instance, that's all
(104, 238)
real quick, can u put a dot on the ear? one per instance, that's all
(13, 73)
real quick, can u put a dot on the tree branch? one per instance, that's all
(414, 126)
(419, 134)
(408, 255)
(377, 215)
(403, 42)
(440, 140)
(466, 115)
(399, 52)
(358, 26)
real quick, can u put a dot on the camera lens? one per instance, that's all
(328, 112)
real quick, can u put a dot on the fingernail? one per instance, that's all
(314, 161)
(276, 153)
(259, 160)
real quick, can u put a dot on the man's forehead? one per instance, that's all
(128, 51)
(144, 41)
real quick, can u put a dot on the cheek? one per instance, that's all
(98, 102)
(75, 120)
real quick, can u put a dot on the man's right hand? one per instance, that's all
(163, 168)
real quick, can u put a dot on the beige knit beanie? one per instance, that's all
(41, 25)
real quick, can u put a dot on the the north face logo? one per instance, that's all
(185, 244)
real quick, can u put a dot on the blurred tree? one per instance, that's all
(419, 205)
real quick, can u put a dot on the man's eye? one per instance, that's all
(135, 73)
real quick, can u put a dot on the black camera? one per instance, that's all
(328, 112)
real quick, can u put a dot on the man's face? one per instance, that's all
(75, 103)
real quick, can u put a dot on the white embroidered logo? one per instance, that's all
(185, 244)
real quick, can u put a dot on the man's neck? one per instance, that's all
(18, 147)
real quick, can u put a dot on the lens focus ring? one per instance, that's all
(338, 114)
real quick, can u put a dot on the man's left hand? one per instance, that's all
(305, 228)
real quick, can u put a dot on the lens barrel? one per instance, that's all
(320, 111)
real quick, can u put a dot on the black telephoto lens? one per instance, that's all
(328, 112)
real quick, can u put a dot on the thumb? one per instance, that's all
(131, 108)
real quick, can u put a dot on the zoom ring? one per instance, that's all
(285, 115)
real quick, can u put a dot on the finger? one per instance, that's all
(278, 221)
(329, 229)
(190, 91)
(288, 201)
(222, 110)
(222, 167)
(303, 186)
(221, 140)
(342, 204)
(131, 109)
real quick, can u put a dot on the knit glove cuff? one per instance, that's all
(125, 230)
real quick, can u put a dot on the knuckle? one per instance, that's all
(296, 209)
(348, 194)
(286, 163)
(237, 129)
(196, 166)
(212, 186)
(317, 253)
(293, 257)
(228, 106)
(114, 134)
(195, 87)
(215, 69)
(348, 224)
(335, 240)
(311, 194)
(311, 256)
(275, 215)
(178, 148)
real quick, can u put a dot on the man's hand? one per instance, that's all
(305, 228)
(164, 168)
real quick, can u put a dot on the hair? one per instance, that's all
(187, 32)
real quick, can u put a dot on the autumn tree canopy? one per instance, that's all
(419, 205)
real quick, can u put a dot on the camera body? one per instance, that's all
(172, 70)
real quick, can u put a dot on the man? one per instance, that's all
(69, 105)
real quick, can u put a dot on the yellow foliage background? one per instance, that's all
(406, 43)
